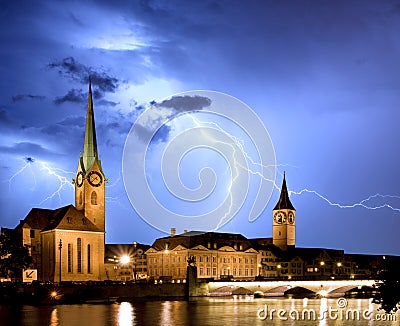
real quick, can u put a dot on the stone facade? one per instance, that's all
(217, 256)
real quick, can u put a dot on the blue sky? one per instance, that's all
(323, 77)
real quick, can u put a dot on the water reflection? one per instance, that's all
(323, 312)
(239, 310)
(166, 312)
(125, 314)
(54, 317)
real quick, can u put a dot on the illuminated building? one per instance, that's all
(70, 240)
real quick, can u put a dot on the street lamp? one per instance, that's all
(279, 266)
(60, 247)
(134, 260)
(125, 259)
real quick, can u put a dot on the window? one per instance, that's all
(32, 233)
(69, 258)
(80, 198)
(79, 253)
(88, 259)
(93, 198)
(214, 271)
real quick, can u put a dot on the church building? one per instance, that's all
(67, 244)
(284, 224)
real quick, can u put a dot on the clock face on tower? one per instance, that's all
(280, 217)
(79, 179)
(291, 217)
(95, 178)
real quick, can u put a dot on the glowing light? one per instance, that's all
(125, 259)
(322, 263)
(53, 294)
(322, 293)
(339, 264)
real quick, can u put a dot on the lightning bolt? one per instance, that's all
(28, 162)
(364, 203)
(63, 181)
(57, 173)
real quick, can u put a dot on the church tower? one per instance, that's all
(90, 180)
(284, 223)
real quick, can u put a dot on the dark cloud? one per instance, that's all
(162, 134)
(107, 103)
(73, 121)
(78, 72)
(27, 148)
(29, 159)
(72, 127)
(5, 117)
(186, 103)
(74, 96)
(22, 97)
(76, 20)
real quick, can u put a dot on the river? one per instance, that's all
(236, 310)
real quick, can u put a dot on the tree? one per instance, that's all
(14, 256)
(388, 285)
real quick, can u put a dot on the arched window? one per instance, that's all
(93, 198)
(80, 198)
(79, 254)
(88, 259)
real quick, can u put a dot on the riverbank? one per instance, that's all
(87, 293)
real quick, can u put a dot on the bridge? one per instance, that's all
(331, 288)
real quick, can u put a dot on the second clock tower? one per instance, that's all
(284, 222)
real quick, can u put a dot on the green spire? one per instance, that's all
(284, 201)
(90, 145)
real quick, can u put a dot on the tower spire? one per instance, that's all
(90, 145)
(284, 201)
